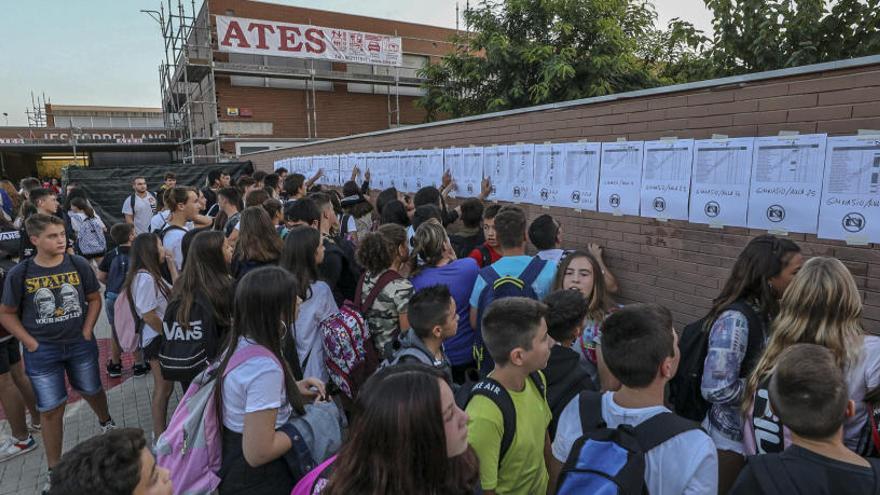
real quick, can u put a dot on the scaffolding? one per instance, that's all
(187, 79)
(37, 115)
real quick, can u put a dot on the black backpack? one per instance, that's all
(612, 460)
(772, 476)
(684, 388)
(494, 391)
(184, 353)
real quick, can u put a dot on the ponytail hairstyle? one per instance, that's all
(177, 196)
(429, 245)
(264, 310)
(83, 205)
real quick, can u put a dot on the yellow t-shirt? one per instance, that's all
(523, 470)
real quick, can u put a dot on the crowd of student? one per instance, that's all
(482, 369)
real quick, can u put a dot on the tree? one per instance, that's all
(518, 53)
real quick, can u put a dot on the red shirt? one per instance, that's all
(477, 255)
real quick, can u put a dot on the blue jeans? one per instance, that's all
(109, 302)
(46, 367)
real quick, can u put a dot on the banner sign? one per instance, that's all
(260, 37)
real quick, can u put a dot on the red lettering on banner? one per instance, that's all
(234, 31)
(261, 33)
(316, 42)
(288, 39)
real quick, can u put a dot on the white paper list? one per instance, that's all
(494, 163)
(720, 181)
(666, 179)
(850, 207)
(468, 179)
(620, 178)
(787, 183)
(567, 175)
(515, 182)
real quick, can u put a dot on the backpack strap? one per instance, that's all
(755, 343)
(494, 391)
(660, 428)
(251, 351)
(485, 254)
(386, 278)
(590, 408)
(490, 275)
(532, 271)
(131, 204)
(413, 352)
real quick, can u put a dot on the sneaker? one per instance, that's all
(141, 369)
(114, 370)
(34, 428)
(12, 448)
(48, 486)
(109, 425)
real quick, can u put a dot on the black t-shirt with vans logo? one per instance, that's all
(51, 301)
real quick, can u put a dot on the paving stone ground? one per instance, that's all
(129, 406)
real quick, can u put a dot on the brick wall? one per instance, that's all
(339, 113)
(676, 263)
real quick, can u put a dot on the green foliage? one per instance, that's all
(519, 53)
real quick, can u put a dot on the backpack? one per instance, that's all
(168, 228)
(131, 201)
(127, 323)
(486, 255)
(498, 287)
(349, 352)
(395, 352)
(494, 391)
(90, 239)
(684, 388)
(184, 353)
(191, 446)
(316, 480)
(612, 460)
(117, 271)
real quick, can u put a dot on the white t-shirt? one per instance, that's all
(143, 211)
(160, 220)
(256, 385)
(860, 378)
(147, 297)
(554, 255)
(305, 331)
(173, 241)
(684, 464)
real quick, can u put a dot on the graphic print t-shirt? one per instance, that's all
(52, 300)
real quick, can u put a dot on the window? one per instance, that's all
(411, 65)
(277, 82)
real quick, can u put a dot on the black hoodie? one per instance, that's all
(566, 377)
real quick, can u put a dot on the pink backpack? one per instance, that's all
(191, 446)
(314, 482)
(127, 323)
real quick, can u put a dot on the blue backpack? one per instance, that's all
(498, 287)
(612, 461)
(117, 272)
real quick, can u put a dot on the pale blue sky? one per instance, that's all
(104, 52)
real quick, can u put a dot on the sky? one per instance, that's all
(105, 52)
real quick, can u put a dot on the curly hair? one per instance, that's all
(376, 252)
(102, 465)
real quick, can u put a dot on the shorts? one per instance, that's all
(47, 365)
(10, 354)
(109, 303)
(151, 350)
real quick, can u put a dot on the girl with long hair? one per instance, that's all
(383, 254)
(13, 204)
(408, 436)
(148, 293)
(581, 271)
(821, 306)
(258, 242)
(202, 298)
(303, 252)
(433, 262)
(737, 329)
(257, 398)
